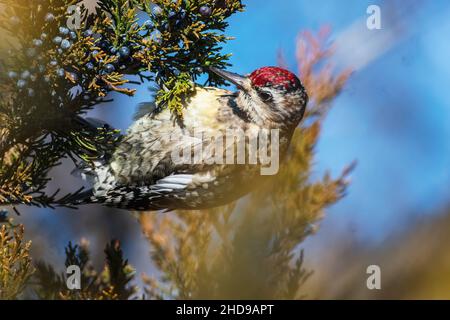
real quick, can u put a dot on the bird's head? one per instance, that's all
(270, 94)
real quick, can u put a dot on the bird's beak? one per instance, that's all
(234, 78)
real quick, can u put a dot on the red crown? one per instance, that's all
(275, 77)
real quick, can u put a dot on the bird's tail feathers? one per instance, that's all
(80, 198)
(87, 172)
(99, 178)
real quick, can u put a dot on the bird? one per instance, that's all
(142, 175)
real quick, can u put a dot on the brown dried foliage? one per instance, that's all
(15, 261)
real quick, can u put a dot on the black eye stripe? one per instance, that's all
(264, 95)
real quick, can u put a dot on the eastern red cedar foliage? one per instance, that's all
(49, 76)
(15, 261)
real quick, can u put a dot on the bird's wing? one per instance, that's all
(145, 155)
(157, 196)
(145, 169)
(171, 185)
(151, 179)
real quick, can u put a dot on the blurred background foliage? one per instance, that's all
(415, 264)
(15, 261)
(392, 116)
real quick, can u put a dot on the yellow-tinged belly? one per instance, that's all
(202, 109)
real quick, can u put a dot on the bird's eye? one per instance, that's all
(265, 96)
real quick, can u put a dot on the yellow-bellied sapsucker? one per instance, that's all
(142, 174)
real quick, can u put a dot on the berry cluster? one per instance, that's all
(104, 51)
(102, 47)
(44, 67)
